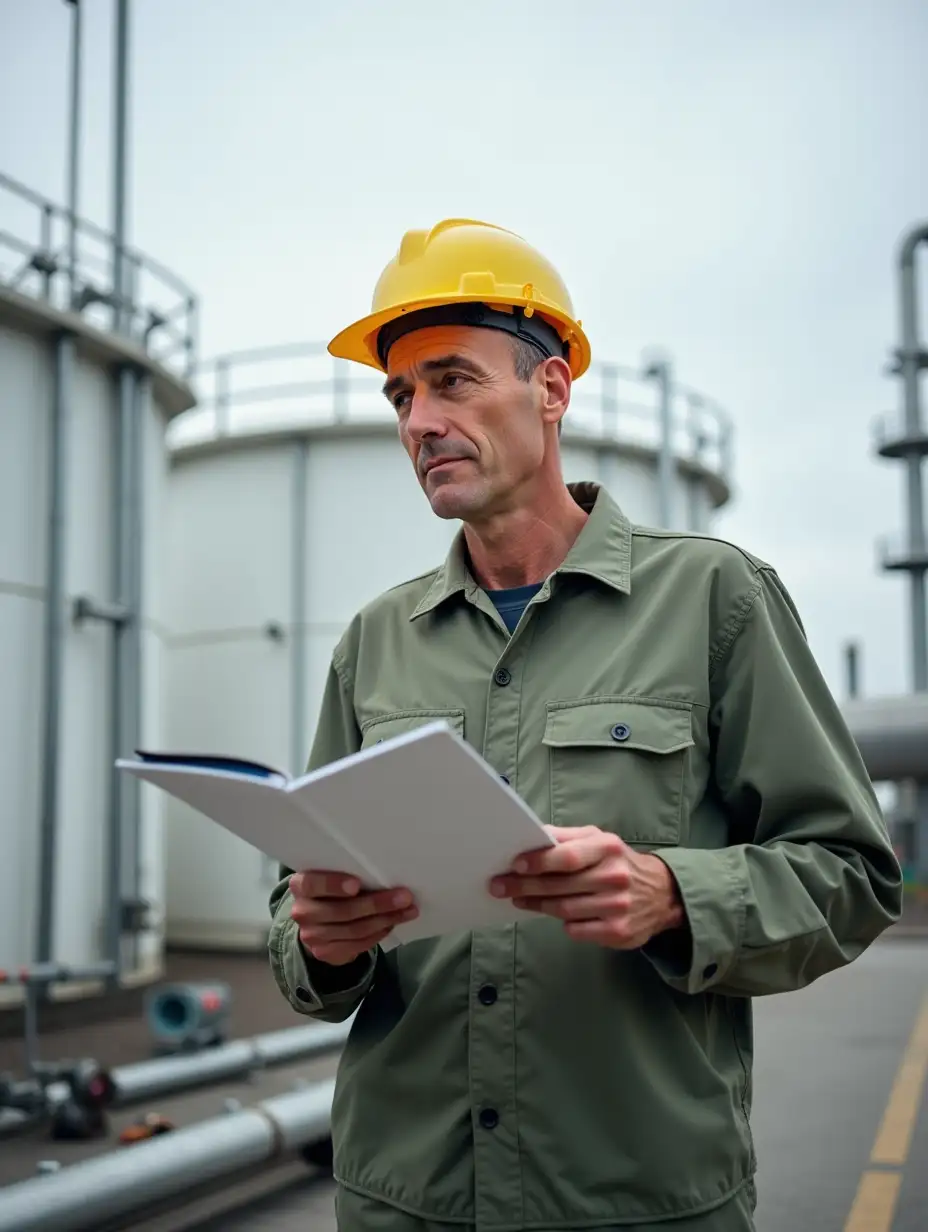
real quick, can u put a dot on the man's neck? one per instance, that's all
(524, 546)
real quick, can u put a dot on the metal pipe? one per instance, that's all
(660, 371)
(123, 795)
(298, 750)
(143, 1081)
(892, 735)
(55, 973)
(120, 159)
(851, 662)
(87, 1194)
(55, 617)
(146, 1080)
(74, 147)
(136, 567)
(910, 360)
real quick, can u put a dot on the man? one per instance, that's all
(652, 696)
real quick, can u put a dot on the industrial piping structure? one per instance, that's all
(903, 723)
(72, 289)
(87, 1195)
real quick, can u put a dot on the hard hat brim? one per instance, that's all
(358, 341)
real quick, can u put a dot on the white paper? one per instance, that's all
(423, 810)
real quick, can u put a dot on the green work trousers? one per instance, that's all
(356, 1213)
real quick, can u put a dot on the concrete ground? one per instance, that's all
(840, 1109)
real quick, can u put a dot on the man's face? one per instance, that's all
(475, 432)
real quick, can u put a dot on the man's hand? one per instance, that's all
(338, 921)
(603, 890)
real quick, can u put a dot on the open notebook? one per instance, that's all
(422, 810)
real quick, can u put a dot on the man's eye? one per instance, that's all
(400, 401)
(451, 379)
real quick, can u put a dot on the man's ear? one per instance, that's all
(555, 377)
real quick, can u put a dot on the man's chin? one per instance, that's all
(453, 501)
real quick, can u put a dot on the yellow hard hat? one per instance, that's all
(468, 273)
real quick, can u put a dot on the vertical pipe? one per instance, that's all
(298, 514)
(120, 158)
(122, 796)
(913, 423)
(298, 750)
(222, 397)
(136, 588)
(851, 664)
(74, 147)
(661, 372)
(54, 645)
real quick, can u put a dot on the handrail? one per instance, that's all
(299, 386)
(161, 310)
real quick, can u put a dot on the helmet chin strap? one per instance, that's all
(532, 329)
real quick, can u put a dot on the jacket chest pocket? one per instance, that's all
(619, 763)
(385, 726)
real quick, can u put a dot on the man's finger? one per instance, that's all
(334, 910)
(320, 883)
(318, 933)
(591, 907)
(340, 953)
(607, 876)
(569, 857)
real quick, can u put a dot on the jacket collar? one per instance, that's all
(602, 551)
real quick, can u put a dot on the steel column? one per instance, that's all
(661, 372)
(910, 362)
(74, 131)
(55, 615)
(124, 796)
(298, 750)
(121, 318)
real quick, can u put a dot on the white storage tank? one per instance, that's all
(291, 504)
(79, 856)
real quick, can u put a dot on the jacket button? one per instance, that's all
(505, 779)
(502, 676)
(709, 971)
(621, 731)
(303, 994)
(487, 995)
(489, 1118)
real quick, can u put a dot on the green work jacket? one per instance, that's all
(659, 685)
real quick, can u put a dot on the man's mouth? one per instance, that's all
(437, 463)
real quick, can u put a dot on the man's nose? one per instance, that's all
(425, 417)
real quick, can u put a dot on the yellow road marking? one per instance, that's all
(895, 1133)
(875, 1203)
(878, 1192)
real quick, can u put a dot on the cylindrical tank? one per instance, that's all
(291, 504)
(68, 475)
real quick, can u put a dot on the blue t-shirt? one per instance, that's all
(511, 603)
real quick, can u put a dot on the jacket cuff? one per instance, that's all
(699, 955)
(312, 987)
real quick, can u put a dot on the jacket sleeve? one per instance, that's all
(810, 878)
(315, 989)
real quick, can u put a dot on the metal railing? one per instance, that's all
(299, 385)
(72, 264)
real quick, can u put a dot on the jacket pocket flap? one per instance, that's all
(620, 723)
(385, 726)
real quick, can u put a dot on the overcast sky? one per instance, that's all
(727, 179)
